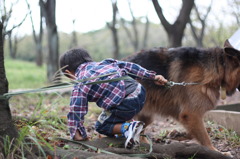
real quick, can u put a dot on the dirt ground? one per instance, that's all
(167, 131)
(171, 132)
(220, 137)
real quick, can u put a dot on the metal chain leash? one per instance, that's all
(171, 83)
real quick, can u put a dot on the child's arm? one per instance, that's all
(142, 72)
(136, 69)
(78, 109)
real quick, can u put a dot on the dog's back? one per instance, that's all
(187, 104)
(181, 65)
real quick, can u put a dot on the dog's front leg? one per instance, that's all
(193, 122)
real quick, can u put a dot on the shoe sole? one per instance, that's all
(133, 138)
(137, 134)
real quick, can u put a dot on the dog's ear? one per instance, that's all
(232, 52)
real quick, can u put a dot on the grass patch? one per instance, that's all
(23, 75)
(39, 117)
(44, 116)
(218, 132)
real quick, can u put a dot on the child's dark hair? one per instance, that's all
(71, 59)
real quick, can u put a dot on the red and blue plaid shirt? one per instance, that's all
(106, 95)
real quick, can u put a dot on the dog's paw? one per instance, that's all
(227, 154)
(144, 139)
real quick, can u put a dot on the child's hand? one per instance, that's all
(79, 137)
(160, 80)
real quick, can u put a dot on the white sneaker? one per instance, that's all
(133, 134)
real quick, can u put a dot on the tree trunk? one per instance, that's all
(52, 64)
(13, 42)
(114, 30)
(39, 56)
(175, 31)
(7, 127)
(146, 30)
(198, 33)
(37, 38)
(128, 32)
(134, 26)
(175, 37)
(198, 39)
(74, 41)
(48, 8)
(11, 48)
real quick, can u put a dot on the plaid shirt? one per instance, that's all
(106, 95)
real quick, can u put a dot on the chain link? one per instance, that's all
(171, 83)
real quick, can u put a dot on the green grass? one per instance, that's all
(23, 75)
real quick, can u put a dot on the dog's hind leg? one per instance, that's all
(147, 119)
(193, 122)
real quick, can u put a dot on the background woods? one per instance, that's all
(126, 30)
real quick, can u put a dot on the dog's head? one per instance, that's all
(232, 69)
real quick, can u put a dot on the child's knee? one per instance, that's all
(103, 129)
(98, 127)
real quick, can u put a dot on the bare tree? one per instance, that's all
(133, 38)
(175, 31)
(133, 34)
(134, 26)
(7, 127)
(145, 37)
(235, 9)
(13, 43)
(114, 30)
(6, 15)
(128, 32)
(48, 11)
(37, 37)
(5, 18)
(198, 33)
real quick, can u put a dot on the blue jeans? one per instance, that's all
(129, 107)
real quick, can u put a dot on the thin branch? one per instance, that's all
(30, 14)
(18, 25)
(208, 10)
(183, 17)
(145, 38)
(128, 32)
(199, 37)
(134, 25)
(159, 12)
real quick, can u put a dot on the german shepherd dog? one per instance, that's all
(212, 69)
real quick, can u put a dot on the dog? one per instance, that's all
(213, 69)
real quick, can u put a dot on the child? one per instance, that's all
(121, 100)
